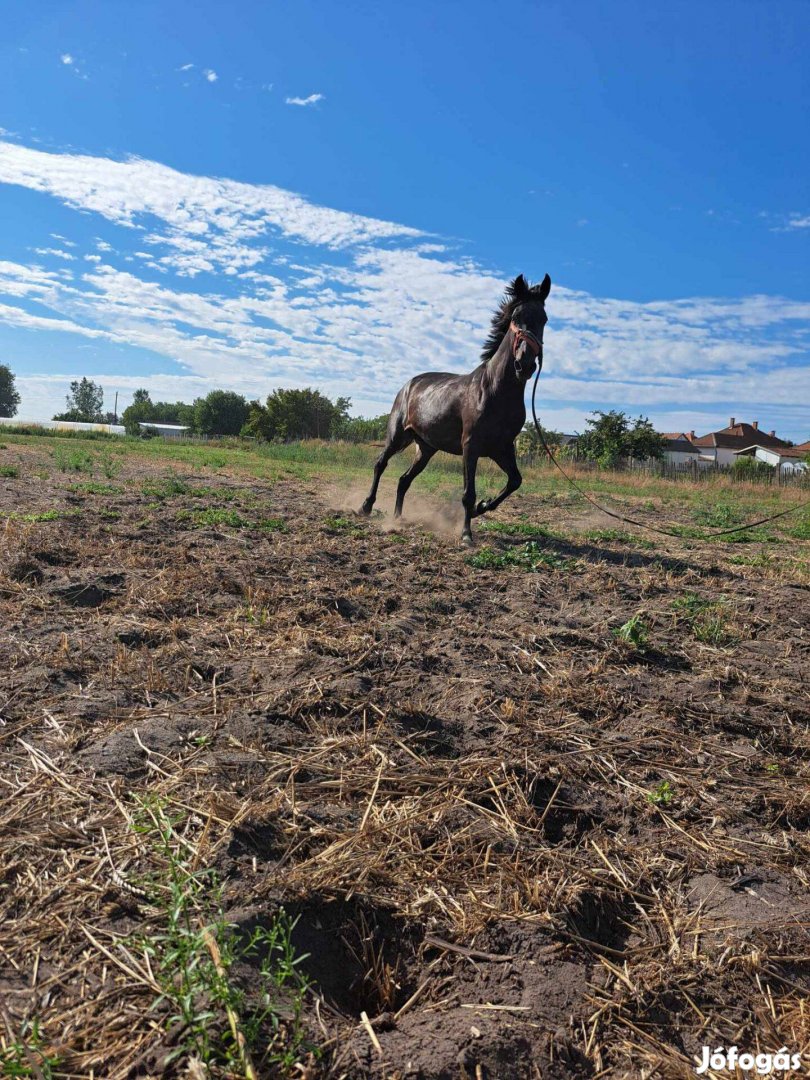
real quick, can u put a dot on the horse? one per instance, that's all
(475, 415)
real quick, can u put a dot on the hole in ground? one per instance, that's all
(359, 956)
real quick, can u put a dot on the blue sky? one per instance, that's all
(333, 194)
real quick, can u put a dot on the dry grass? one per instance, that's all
(450, 776)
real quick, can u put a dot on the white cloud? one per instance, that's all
(56, 252)
(260, 288)
(313, 99)
(210, 75)
(66, 58)
(798, 222)
(186, 67)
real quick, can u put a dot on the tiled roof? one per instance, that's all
(740, 437)
(680, 446)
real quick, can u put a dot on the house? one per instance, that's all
(788, 458)
(679, 449)
(721, 447)
(166, 431)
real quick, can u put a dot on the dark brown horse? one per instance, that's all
(475, 415)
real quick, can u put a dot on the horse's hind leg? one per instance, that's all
(396, 441)
(423, 455)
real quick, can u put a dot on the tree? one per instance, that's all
(9, 398)
(610, 438)
(222, 412)
(84, 402)
(145, 411)
(298, 414)
(529, 442)
(364, 429)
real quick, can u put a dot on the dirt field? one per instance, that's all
(538, 810)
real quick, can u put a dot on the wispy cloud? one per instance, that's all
(313, 99)
(56, 252)
(70, 62)
(210, 75)
(185, 67)
(258, 287)
(796, 221)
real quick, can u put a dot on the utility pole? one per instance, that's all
(115, 410)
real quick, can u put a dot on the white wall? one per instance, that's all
(63, 425)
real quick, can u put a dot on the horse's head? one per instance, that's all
(523, 313)
(527, 322)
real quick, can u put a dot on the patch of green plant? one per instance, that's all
(802, 530)
(109, 515)
(343, 525)
(44, 515)
(109, 466)
(530, 556)
(618, 535)
(749, 536)
(718, 516)
(165, 488)
(272, 524)
(760, 558)
(212, 516)
(338, 522)
(708, 619)
(73, 460)
(634, 633)
(256, 614)
(194, 953)
(10, 472)
(772, 768)
(516, 528)
(662, 794)
(27, 1056)
(92, 487)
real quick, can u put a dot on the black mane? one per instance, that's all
(517, 292)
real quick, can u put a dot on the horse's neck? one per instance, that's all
(501, 369)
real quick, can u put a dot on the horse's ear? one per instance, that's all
(545, 287)
(518, 288)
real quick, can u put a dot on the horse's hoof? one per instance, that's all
(481, 508)
(466, 539)
(365, 510)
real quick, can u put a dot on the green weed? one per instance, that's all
(516, 528)
(165, 488)
(618, 535)
(708, 619)
(272, 524)
(92, 487)
(26, 1056)
(73, 460)
(212, 516)
(194, 952)
(719, 516)
(528, 557)
(10, 472)
(661, 795)
(634, 633)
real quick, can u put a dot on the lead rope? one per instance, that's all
(629, 520)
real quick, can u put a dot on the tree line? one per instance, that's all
(288, 415)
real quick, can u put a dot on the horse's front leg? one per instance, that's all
(507, 462)
(470, 459)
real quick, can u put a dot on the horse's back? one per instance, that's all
(430, 406)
